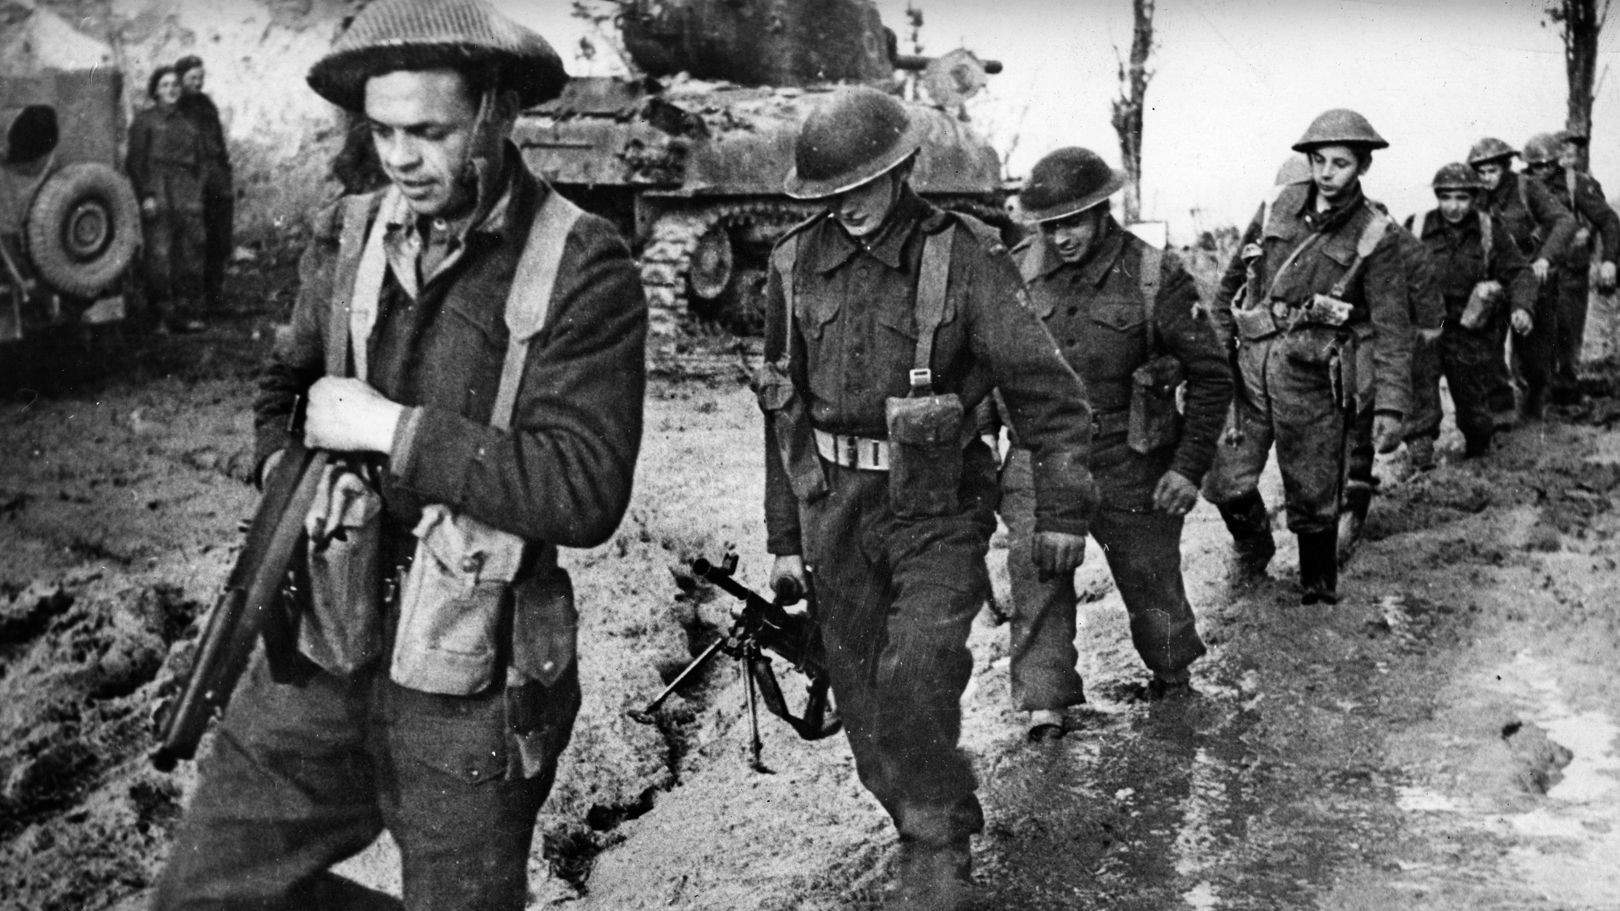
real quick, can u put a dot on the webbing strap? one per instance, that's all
(784, 259)
(1485, 232)
(351, 242)
(1148, 281)
(932, 277)
(529, 299)
(1034, 261)
(1371, 234)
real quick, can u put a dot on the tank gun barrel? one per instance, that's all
(915, 63)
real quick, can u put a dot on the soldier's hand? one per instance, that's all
(347, 415)
(1058, 553)
(1606, 278)
(1542, 269)
(1522, 322)
(1387, 431)
(788, 570)
(1175, 494)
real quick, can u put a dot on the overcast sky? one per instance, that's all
(1237, 81)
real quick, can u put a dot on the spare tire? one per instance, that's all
(83, 228)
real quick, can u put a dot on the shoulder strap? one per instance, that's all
(785, 259)
(1033, 261)
(1371, 234)
(1148, 280)
(351, 245)
(529, 300)
(1524, 193)
(1487, 231)
(932, 277)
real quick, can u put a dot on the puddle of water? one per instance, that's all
(1413, 799)
(1592, 773)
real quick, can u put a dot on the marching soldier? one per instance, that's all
(1484, 281)
(470, 345)
(888, 322)
(219, 199)
(1323, 275)
(1541, 228)
(1122, 313)
(1584, 199)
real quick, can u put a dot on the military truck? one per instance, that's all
(69, 221)
(688, 156)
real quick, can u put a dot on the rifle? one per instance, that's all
(763, 625)
(248, 608)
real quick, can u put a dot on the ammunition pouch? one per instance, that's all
(452, 604)
(1254, 323)
(1314, 346)
(1482, 303)
(926, 439)
(790, 425)
(340, 626)
(1155, 421)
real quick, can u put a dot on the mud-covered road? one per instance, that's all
(1445, 738)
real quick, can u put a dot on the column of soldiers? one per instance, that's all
(471, 344)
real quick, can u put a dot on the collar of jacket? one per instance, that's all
(1335, 217)
(1100, 260)
(835, 247)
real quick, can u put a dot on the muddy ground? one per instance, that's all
(1445, 738)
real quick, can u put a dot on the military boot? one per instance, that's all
(1252, 544)
(932, 878)
(1357, 500)
(1319, 567)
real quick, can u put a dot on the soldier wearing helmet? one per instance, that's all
(1584, 198)
(1123, 314)
(1485, 282)
(1323, 275)
(888, 321)
(470, 348)
(1541, 228)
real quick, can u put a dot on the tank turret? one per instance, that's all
(688, 156)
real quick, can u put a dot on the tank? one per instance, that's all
(688, 156)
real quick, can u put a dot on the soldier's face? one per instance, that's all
(424, 125)
(1074, 237)
(1335, 170)
(1491, 173)
(192, 81)
(863, 209)
(1569, 156)
(1455, 205)
(168, 89)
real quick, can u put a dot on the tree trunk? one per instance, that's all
(1131, 103)
(1582, 22)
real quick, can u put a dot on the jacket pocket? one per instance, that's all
(451, 606)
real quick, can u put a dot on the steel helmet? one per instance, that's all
(1456, 176)
(1541, 148)
(1490, 149)
(858, 135)
(391, 35)
(1067, 181)
(1574, 137)
(1294, 169)
(1340, 126)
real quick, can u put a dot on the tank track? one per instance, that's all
(668, 255)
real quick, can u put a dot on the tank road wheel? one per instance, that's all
(83, 228)
(710, 271)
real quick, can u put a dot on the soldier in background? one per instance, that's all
(219, 199)
(1572, 147)
(1584, 199)
(1484, 281)
(164, 163)
(1323, 275)
(1541, 228)
(1123, 314)
(888, 322)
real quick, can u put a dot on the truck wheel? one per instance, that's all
(83, 228)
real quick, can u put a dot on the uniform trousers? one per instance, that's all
(1284, 400)
(219, 214)
(1143, 549)
(1464, 357)
(303, 776)
(1574, 293)
(1534, 353)
(896, 598)
(174, 238)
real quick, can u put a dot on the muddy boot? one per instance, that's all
(1357, 500)
(932, 878)
(1252, 544)
(1319, 567)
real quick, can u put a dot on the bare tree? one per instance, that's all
(1580, 22)
(1130, 106)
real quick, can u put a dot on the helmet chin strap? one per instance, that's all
(472, 173)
